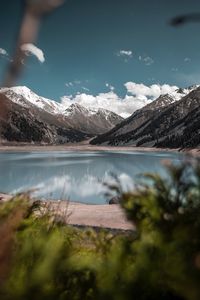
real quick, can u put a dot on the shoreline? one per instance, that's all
(81, 214)
(88, 147)
(86, 215)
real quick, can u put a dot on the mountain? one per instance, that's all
(27, 125)
(162, 123)
(179, 123)
(93, 121)
(28, 113)
(172, 120)
(22, 95)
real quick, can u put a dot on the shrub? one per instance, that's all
(43, 258)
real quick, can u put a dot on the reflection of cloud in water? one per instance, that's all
(47, 187)
(87, 186)
(126, 181)
(78, 176)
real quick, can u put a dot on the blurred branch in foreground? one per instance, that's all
(183, 19)
(34, 11)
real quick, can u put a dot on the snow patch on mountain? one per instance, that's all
(76, 108)
(181, 92)
(24, 96)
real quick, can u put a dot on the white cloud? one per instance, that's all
(31, 49)
(128, 53)
(111, 101)
(153, 91)
(3, 52)
(74, 83)
(138, 95)
(147, 60)
(85, 89)
(110, 86)
(68, 84)
(125, 54)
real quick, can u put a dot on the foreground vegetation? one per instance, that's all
(42, 258)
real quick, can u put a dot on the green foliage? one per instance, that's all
(166, 214)
(43, 258)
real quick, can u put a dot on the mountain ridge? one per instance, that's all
(172, 120)
(147, 126)
(84, 123)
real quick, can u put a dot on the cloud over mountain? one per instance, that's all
(154, 91)
(138, 95)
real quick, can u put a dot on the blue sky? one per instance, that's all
(90, 45)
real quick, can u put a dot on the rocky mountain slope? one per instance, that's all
(22, 124)
(170, 121)
(22, 95)
(54, 122)
(93, 121)
(166, 122)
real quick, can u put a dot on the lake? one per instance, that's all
(77, 176)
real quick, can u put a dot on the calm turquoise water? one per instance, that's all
(76, 175)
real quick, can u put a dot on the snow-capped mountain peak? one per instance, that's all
(87, 120)
(76, 108)
(24, 96)
(167, 99)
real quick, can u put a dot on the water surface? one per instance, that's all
(76, 175)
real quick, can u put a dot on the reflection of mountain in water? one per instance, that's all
(75, 175)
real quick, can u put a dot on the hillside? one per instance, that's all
(166, 122)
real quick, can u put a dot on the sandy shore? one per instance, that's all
(103, 216)
(88, 147)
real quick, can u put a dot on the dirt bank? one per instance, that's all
(105, 216)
